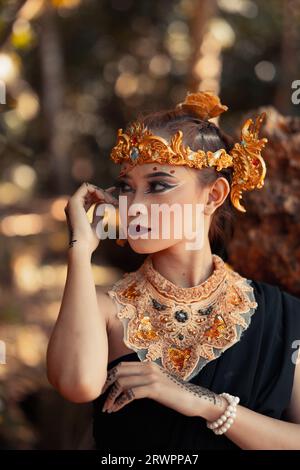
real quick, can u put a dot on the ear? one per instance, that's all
(217, 194)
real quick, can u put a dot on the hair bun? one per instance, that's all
(203, 104)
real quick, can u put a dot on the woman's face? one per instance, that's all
(154, 186)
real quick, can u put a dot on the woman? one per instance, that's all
(184, 353)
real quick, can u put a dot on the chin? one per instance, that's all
(150, 246)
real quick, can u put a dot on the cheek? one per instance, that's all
(191, 202)
(187, 194)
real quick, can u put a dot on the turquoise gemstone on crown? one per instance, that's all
(134, 153)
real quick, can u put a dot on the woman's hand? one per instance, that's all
(80, 230)
(134, 380)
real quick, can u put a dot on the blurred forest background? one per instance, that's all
(71, 73)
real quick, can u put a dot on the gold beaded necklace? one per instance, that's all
(183, 328)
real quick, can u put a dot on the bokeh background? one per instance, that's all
(71, 73)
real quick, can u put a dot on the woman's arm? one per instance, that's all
(252, 430)
(293, 410)
(78, 348)
(77, 352)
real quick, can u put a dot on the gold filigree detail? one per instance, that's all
(249, 166)
(211, 287)
(204, 104)
(138, 145)
(181, 328)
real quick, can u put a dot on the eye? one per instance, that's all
(155, 186)
(163, 186)
(121, 185)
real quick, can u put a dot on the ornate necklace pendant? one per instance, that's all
(183, 336)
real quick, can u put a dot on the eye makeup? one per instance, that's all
(121, 185)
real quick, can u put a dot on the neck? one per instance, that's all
(184, 268)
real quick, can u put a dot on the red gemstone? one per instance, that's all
(255, 161)
(134, 140)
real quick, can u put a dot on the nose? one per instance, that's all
(135, 212)
(138, 200)
(138, 208)
(138, 197)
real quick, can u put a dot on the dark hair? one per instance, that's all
(204, 135)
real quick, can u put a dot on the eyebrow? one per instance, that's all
(150, 175)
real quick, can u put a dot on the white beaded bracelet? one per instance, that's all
(222, 424)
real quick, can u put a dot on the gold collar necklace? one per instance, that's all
(183, 328)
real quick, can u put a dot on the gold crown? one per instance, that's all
(139, 145)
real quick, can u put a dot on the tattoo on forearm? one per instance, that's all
(196, 390)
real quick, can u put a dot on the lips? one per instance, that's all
(138, 229)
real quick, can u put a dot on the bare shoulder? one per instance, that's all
(106, 304)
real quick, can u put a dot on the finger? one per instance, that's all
(99, 213)
(133, 393)
(115, 391)
(97, 199)
(126, 397)
(86, 195)
(111, 377)
(124, 369)
(111, 190)
(88, 200)
(123, 384)
(82, 190)
(105, 193)
(91, 190)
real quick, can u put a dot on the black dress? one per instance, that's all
(259, 369)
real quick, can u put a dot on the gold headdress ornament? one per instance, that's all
(139, 145)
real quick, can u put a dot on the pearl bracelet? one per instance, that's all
(222, 424)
